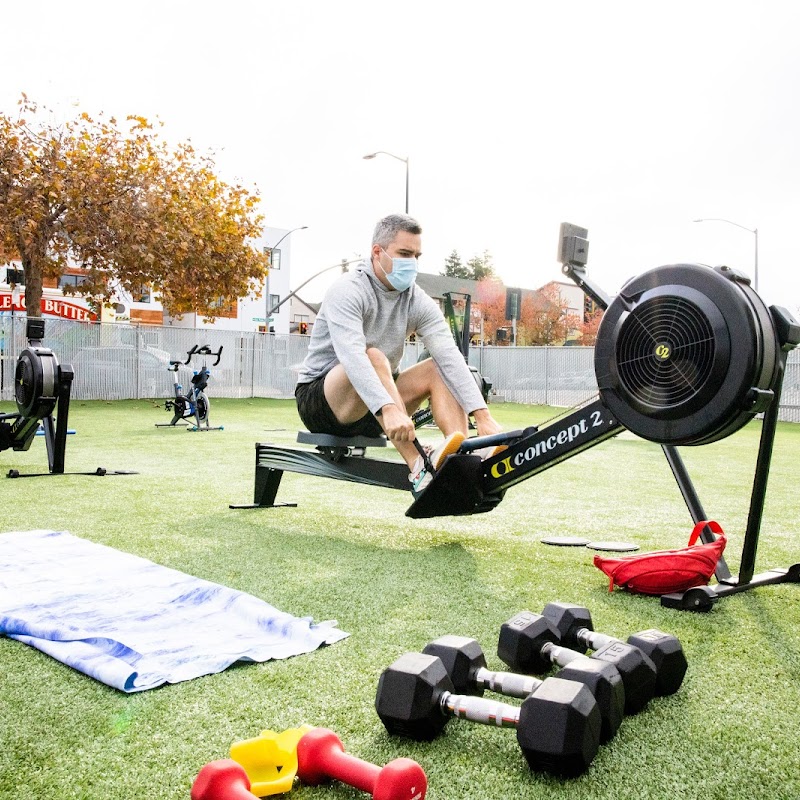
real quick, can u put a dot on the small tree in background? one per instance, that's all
(476, 269)
(544, 318)
(480, 267)
(117, 202)
(490, 298)
(588, 328)
(454, 268)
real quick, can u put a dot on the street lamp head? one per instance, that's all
(288, 233)
(754, 231)
(386, 153)
(729, 221)
(404, 160)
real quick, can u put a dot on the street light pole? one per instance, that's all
(266, 279)
(404, 160)
(754, 231)
(343, 265)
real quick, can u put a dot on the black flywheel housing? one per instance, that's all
(36, 382)
(686, 354)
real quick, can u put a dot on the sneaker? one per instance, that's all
(420, 477)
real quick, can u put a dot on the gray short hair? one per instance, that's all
(387, 229)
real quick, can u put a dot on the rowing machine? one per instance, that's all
(686, 355)
(41, 387)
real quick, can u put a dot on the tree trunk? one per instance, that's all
(33, 288)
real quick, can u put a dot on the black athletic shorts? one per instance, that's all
(318, 416)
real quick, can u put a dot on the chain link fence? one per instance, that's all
(116, 361)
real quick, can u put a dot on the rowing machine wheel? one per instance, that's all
(36, 382)
(686, 354)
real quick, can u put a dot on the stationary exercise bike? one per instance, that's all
(194, 405)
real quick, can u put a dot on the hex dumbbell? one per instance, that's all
(663, 649)
(557, 726)
(529, 642)
(466, 665)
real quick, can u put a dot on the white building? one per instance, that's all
(250, 313)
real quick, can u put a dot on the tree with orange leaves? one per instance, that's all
(490, 299)
(544, 319)
(116, 201)
(588, 328)
(543, 316)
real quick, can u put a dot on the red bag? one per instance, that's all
(666, 571)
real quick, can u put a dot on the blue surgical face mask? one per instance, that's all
(403, 274)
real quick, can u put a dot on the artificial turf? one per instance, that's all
(347, 552)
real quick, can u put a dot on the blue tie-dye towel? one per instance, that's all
(133, 624)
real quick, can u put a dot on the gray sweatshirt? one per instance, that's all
(358, 312)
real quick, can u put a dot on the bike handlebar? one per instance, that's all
(205, 350)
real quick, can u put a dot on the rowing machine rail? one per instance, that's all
(334, 457)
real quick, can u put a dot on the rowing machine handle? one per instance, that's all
(493, 440)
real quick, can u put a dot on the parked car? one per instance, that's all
(576, 380)
(119, 371)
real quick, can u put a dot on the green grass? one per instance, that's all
(347, 552)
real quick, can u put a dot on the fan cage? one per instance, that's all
(665, 352)
(27, 384)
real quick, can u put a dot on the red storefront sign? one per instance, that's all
(51, 307)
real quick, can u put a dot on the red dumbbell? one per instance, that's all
(321, 755)
(222, 780)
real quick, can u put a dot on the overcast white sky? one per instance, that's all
(628, 118)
